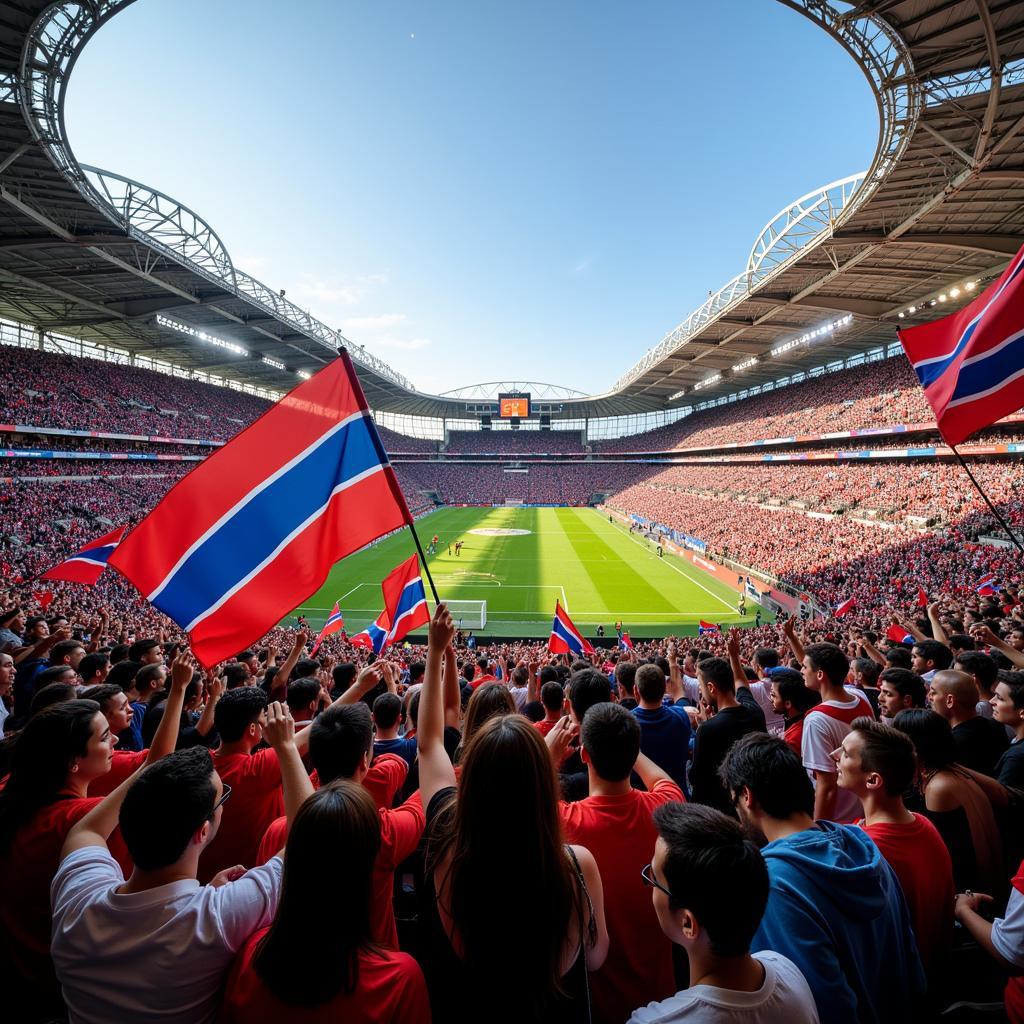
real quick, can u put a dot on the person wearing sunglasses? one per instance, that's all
(186, 934)
(709, 886)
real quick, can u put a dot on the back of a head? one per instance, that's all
(387, 709)
(301, 693)
(766, 657)
(868, 669)
(235, 675)
(611, 737)
(104, 695)
(343, 676)
(829, 659)
(958, 685)
(979, 665)
(650, 683)
(625, 676)
(898, 657)
(718, 672)
(123, 674)
(237, 710)
(931, 735)
(715, 872)
(305, 667)
(338, 825)
(43, 753)
(792, 688)
(91, 664)
(586, 689)
(772, 771)
(487, 701)
(338, 739)
(64, 674)
(63, 649)
(552, 696)
(166, 806)
(886, 751)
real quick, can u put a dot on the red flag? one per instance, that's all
(565, 637)
(334, 624)
(45, 599)
(971, 363)
(898, 634)
(404, 599)
(922, 598)
(87, 564)
(844, 607)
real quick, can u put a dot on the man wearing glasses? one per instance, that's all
(181, 936)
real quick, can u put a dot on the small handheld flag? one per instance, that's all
(706, 627)
(565, 637)
(971, 363)
(987, 586)
(405, 600)
(922, 597)
(898, 635)
(253, 530)
(624, 642)
(334, 624)
(86, 564)
(843, 607)
(375, 636)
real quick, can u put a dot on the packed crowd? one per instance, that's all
(730, 829)
(514, 442)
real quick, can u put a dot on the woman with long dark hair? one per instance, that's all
(500, 879)
(58, 753)
(488, 701)
(317, 961)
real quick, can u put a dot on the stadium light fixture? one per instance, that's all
(954, 292)
(901, 315)
(809, 336)
(678, 394)
(745, 365)
(912, 310)
(303, 374)
(942, 297)
(273, 362)
(707, 382)
(971, 285)
(193, 332)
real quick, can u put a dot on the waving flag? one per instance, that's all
(843, 607)
(624, 642)
(706, 627)
(375, 637)
(405, 601)
(922, 597)
(334, 624)
(565, 637)
(254, 530)
(987, 585)
(971, 364)
(898, 635)
(86, 564)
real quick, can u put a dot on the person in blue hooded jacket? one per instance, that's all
(835, 907)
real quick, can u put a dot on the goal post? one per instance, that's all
(468, 614)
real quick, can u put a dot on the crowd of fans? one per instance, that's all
(515, 442)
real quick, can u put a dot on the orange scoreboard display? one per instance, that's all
(514, 406)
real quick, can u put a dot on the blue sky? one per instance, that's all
(478, 191)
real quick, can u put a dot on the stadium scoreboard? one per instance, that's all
(514, 406)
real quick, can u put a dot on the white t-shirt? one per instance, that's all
(159, 955)
(761, 691)
(784, 998)
(1008, 930)
(519, 695)
(821, 735)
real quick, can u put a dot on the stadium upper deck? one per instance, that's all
(88, 253)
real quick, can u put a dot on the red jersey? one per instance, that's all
(400, 832)
(921, 861)
(391, 990)
(544, 727)
(28, 869)
(256, 800)
(619, 831)
(794, 735)
(385, 778)
(125, 762)
(1013, 995)
(480, 680)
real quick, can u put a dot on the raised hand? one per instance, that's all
(280, 728)
(442, 629)
(559, 740)
(182, 669)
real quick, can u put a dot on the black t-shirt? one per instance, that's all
(980, 742)
(1010, 769)
(712, 743)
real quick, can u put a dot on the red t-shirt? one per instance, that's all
(922, 864)
(1013, 996)
(27, 870)
(544, 727)
(400, 832)
(391, 990)
(480, 680)
(124, 764)
(385, 778)
(619, 831)
(256, 800)
(794, 735)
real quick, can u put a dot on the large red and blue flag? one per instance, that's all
(334, 624)
(86, 564)
(706, 627)
(971, 363)
(565, 637)
(376, 636)
(988, 585)
(624, 642)
(405, 600)
(254, 530)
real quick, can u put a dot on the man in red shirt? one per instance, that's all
(341, 747)
(792, 700)
(614, 822)
(876, 762)
(552, 696)
(253, 775)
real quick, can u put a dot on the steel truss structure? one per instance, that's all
(88, 252)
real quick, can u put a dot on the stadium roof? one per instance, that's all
(89, 253)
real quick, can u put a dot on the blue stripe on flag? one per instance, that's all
(989, 371)
(571, 639)
(97, 554)
(226, 557)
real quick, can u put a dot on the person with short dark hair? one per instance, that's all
(146, 652)
(1008, 710)
(585, 688)
(982, 668)
(67, 652)
(929, 657)
(730, 715)
(552, 697)
(899, 688)
(664, 728)
(877, 763)
(93, 669)
(709, 888)
(792, 700)
(236, 674)
(835, 908)
(303, 698)
(614, 823)
(186, 934)
(388, 719)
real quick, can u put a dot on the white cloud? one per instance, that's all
(316, 292)
(372, 324)
(402, 344)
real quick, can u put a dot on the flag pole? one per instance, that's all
(396, 490)
(1002, 522)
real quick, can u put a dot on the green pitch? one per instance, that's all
(597, 570)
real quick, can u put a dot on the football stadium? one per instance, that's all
(715, 634)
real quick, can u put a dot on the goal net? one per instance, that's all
(468, 614)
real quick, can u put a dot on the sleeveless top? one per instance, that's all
(457, 997)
